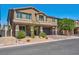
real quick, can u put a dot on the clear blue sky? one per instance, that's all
(57, 10)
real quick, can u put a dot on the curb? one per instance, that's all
(18, 45)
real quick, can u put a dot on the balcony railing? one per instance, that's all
(47, 23)
(23, 21)
(77, 25)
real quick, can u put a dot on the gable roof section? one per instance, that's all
(39, 12)
(52, 17)
(26, 8)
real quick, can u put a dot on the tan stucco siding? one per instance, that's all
(35, 18)
(49, 19)
(30, 11)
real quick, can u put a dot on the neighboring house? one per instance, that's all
(4, 31)
(26, 18)
(76, 30)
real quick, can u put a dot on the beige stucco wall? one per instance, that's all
(38, 18)
(49, 19)
(30, 11)
(35, 18)
(76, 23)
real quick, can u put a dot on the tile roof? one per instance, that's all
(30, 7)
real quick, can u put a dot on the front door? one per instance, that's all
(28, 31)
(36, 30)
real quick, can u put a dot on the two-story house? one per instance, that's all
(26, 18)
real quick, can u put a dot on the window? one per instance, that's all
(41, 18)
(22, 28)
(28, 16)
(19, 15)
(24, 15)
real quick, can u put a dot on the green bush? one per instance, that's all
(21, 34)
(43, 34)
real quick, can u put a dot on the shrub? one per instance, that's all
(43, 34)
(21, 34)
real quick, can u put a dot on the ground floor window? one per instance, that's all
(22, 28)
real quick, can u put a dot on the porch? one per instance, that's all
(49, 30)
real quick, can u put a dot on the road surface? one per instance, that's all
(64, 47)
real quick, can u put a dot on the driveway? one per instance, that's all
(64, 47)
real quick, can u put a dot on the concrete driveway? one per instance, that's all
(64, 47)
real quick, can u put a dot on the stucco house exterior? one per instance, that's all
(26, 18)
(76, 30)
(4, 31)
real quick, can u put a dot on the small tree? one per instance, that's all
(43, 35)
(21, 34)
(66, 24)
(32, 32)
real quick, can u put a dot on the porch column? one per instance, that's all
(32, 31)
(41, 29)
(11, 32)
(56, 31)
(6, 31)
(53, 31)
(37, 28)
(16, 29)
(78, 30)
(73, 32)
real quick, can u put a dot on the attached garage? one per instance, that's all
(48, 31)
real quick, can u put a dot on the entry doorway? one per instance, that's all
(26, 29)
(22, 28)
(36, 30)
(48, 31)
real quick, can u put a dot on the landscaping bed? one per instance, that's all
(6, 41)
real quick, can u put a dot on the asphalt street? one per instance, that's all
(64, 47)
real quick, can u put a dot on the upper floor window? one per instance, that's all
(24, 15)
(19, 15)
(41, 18)
(28, 16)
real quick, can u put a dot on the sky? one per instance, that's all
(56, 10)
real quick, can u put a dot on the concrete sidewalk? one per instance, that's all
(38, 42)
